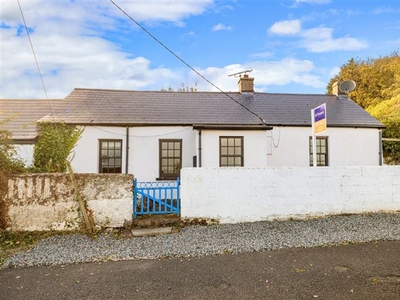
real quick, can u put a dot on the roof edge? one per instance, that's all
(232, 127)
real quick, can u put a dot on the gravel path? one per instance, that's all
(196, 240)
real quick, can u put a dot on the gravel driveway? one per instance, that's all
(194, 241)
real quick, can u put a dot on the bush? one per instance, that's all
(9, 161)
(54, 145)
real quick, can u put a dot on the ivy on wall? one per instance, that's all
(54, 145)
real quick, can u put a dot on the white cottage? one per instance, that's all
(153, 134)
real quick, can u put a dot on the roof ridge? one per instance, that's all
(148, 91)
(31, 99)
(294, 94)
(196, 92)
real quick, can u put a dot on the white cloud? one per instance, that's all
(385, 10)
(262, 54)
(220, 27)
(172, 11)
(321, 40)
(279, 72)
(313, 1)
(289, 27)
(71, 50)
(285, 71)
(68, 62)
(318, 39)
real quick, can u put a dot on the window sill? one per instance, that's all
(167, 178)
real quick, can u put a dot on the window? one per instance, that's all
(231, 151)
(322, 151)
(170, 158)
(110, 156)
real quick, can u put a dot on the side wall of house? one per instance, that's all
(289, 146)
(25, 152)
(254, 147)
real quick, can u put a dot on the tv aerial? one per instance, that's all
(347, 86)
(239, 74)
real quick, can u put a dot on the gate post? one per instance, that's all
(178, 183)
(134, 198)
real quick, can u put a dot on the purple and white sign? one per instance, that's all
(319, 119)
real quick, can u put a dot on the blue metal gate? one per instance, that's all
(156, 198)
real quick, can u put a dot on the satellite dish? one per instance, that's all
(347, 86)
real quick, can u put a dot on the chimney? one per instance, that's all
(246, 84)
(335, 88)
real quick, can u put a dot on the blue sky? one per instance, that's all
(292, 46)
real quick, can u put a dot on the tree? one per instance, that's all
(378, 91)
(388, 112)
(54, 146)
(374, 78)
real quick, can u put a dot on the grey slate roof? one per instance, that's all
(21, 115)
(151, 108)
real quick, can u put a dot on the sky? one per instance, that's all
(291, 46)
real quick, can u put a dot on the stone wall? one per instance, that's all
(47, 202)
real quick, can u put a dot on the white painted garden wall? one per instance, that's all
(232, 195)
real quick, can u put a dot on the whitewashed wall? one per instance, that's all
(143, 148)
(289, 146)
(25, 152)
(233, 195)
(143, 159)
(283, 146)
(47, 202)
(86, 152)
(254, 148)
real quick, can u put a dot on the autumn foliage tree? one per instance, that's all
(378, 91)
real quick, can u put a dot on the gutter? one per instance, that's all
(127, 151)
(231, 127)
(380, 148)
(199, 148)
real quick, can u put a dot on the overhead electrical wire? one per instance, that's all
(33, 50)
(141, 136)
(185, 63)
(153, 37)
(39, 71)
